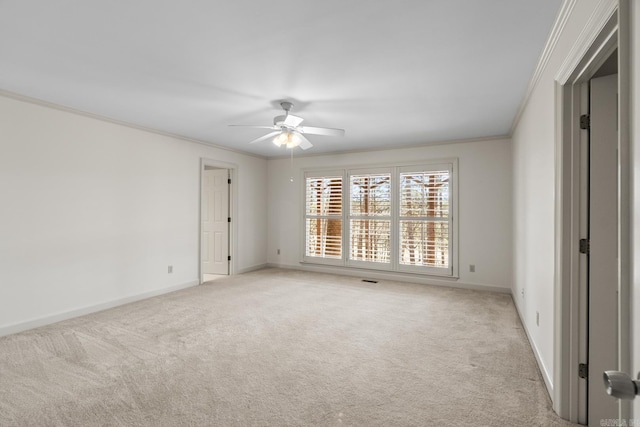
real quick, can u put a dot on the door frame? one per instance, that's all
(233, 209)
(607, 30)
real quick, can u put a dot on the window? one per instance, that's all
(323, 217)
(397, 218)
(424, 218)
(370, 217)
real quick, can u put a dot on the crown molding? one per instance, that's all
(594, 26)
(549, 47)
(59, 107)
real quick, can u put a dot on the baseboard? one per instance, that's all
(400, 277)
(252, 268)
(47, 320)
(543, 369)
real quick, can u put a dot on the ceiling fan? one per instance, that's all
(288, 132)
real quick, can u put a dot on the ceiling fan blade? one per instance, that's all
(256, 127)
(305, 143)
(267, 136)
(321, 131)
(292, 121)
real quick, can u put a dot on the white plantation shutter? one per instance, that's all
(323, 216)
(370, 217)
(370, 195)
(370, 240)
(425, 218)
(397, 218)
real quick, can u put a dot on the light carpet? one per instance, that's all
(281, 348)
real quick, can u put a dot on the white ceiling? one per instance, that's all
(392, 73)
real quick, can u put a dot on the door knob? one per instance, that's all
(620, 385)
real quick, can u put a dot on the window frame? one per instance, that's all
(435, 271)
(450, 164)
(347, 225)
(313, 259)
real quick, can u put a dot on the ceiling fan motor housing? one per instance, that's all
(286, 106)
(279, 120)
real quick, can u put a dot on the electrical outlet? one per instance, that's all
(278, 251)
(537, 319)
(472, 268)
(170, 269)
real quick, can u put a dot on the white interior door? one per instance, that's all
(215, 221)
(603, 242)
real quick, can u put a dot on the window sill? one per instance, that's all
(349, 270)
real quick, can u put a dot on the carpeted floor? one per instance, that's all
(281, 348)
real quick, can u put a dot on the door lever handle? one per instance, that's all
(620, 385)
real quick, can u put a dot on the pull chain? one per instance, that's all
(291, 165)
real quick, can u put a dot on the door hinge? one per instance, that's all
(229, 219)
(229, 181)
(585, 121)
(229, 258)
(584, 246)
(583, 370)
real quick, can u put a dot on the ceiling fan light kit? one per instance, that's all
(288, 132)
(290, 139)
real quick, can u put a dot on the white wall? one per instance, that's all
(484, 204)
(533, 211)
(94, 212)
